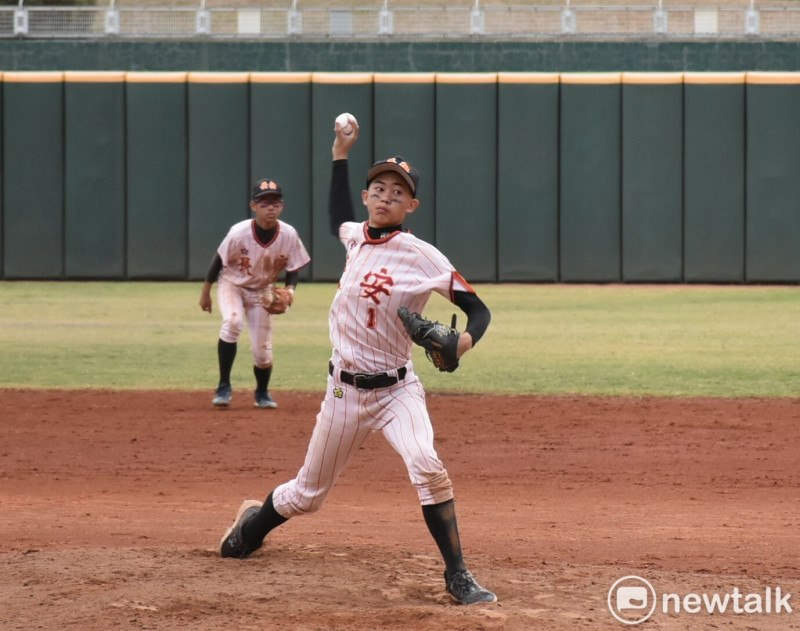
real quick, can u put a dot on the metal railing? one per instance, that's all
(401, 22)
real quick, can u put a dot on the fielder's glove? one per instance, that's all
(439, 341)
(275, 300)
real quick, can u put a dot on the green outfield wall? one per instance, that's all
(156, 186)
(714, 176)
(589, 177)
(280, 140)
(32, 204)
(604, 177)
(94, 204)
(528, 169)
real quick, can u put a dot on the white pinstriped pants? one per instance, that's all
(237, 304)
(346, 418)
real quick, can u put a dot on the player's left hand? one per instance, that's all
(439, 341)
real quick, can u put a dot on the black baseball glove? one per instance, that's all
(439, 341)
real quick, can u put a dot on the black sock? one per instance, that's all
(226, 351)
(443, 525)
(264, 521)
(262, 378)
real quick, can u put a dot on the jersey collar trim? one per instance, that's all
(382, 239)
(255, 229)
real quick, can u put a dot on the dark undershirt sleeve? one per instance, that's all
(292, 278)
(214, 269)
(340, 203)
(478, 314)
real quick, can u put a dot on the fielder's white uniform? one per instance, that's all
(249, 266)
(368, 337)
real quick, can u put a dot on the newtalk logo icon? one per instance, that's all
(632, 600)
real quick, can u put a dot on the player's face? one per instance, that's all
(388, 200)
(267, 210)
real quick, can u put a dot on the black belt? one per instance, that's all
(364, 381)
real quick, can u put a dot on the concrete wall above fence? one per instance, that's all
(778, 19)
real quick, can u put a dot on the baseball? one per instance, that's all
(346, 121)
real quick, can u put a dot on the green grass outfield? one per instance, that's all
(546, 339)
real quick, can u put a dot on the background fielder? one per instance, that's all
(372, 386)
(248, 262)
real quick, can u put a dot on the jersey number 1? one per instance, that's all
(372, 318)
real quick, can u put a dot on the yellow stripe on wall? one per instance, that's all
(466, 77)
(713, 77)
(591, 77)
(280, 77)
(218, 77)
(33, 77)
(156, 77)
(766, 78)
(341, 77)
(81, 76)
(528, 77)
(652, 78)
(404, 77)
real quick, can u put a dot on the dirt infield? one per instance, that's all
(113, 504)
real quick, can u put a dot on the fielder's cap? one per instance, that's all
(399, 165)
(266, 187)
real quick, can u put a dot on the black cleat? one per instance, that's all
(232, 544)
(263, 400)
(464, 589)
(222, 396)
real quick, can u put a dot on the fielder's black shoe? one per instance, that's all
(263, 400)
(464, 589)
(222, 396)
(232, 544)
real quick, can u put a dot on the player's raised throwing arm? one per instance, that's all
(340, 202)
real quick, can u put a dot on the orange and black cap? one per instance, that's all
(399, 165)
(265, 188)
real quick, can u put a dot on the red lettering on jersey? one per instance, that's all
(372, 318)
(376, 283)
(245, 264)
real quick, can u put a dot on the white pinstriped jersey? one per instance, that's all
(380, 276)
(250, 264)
